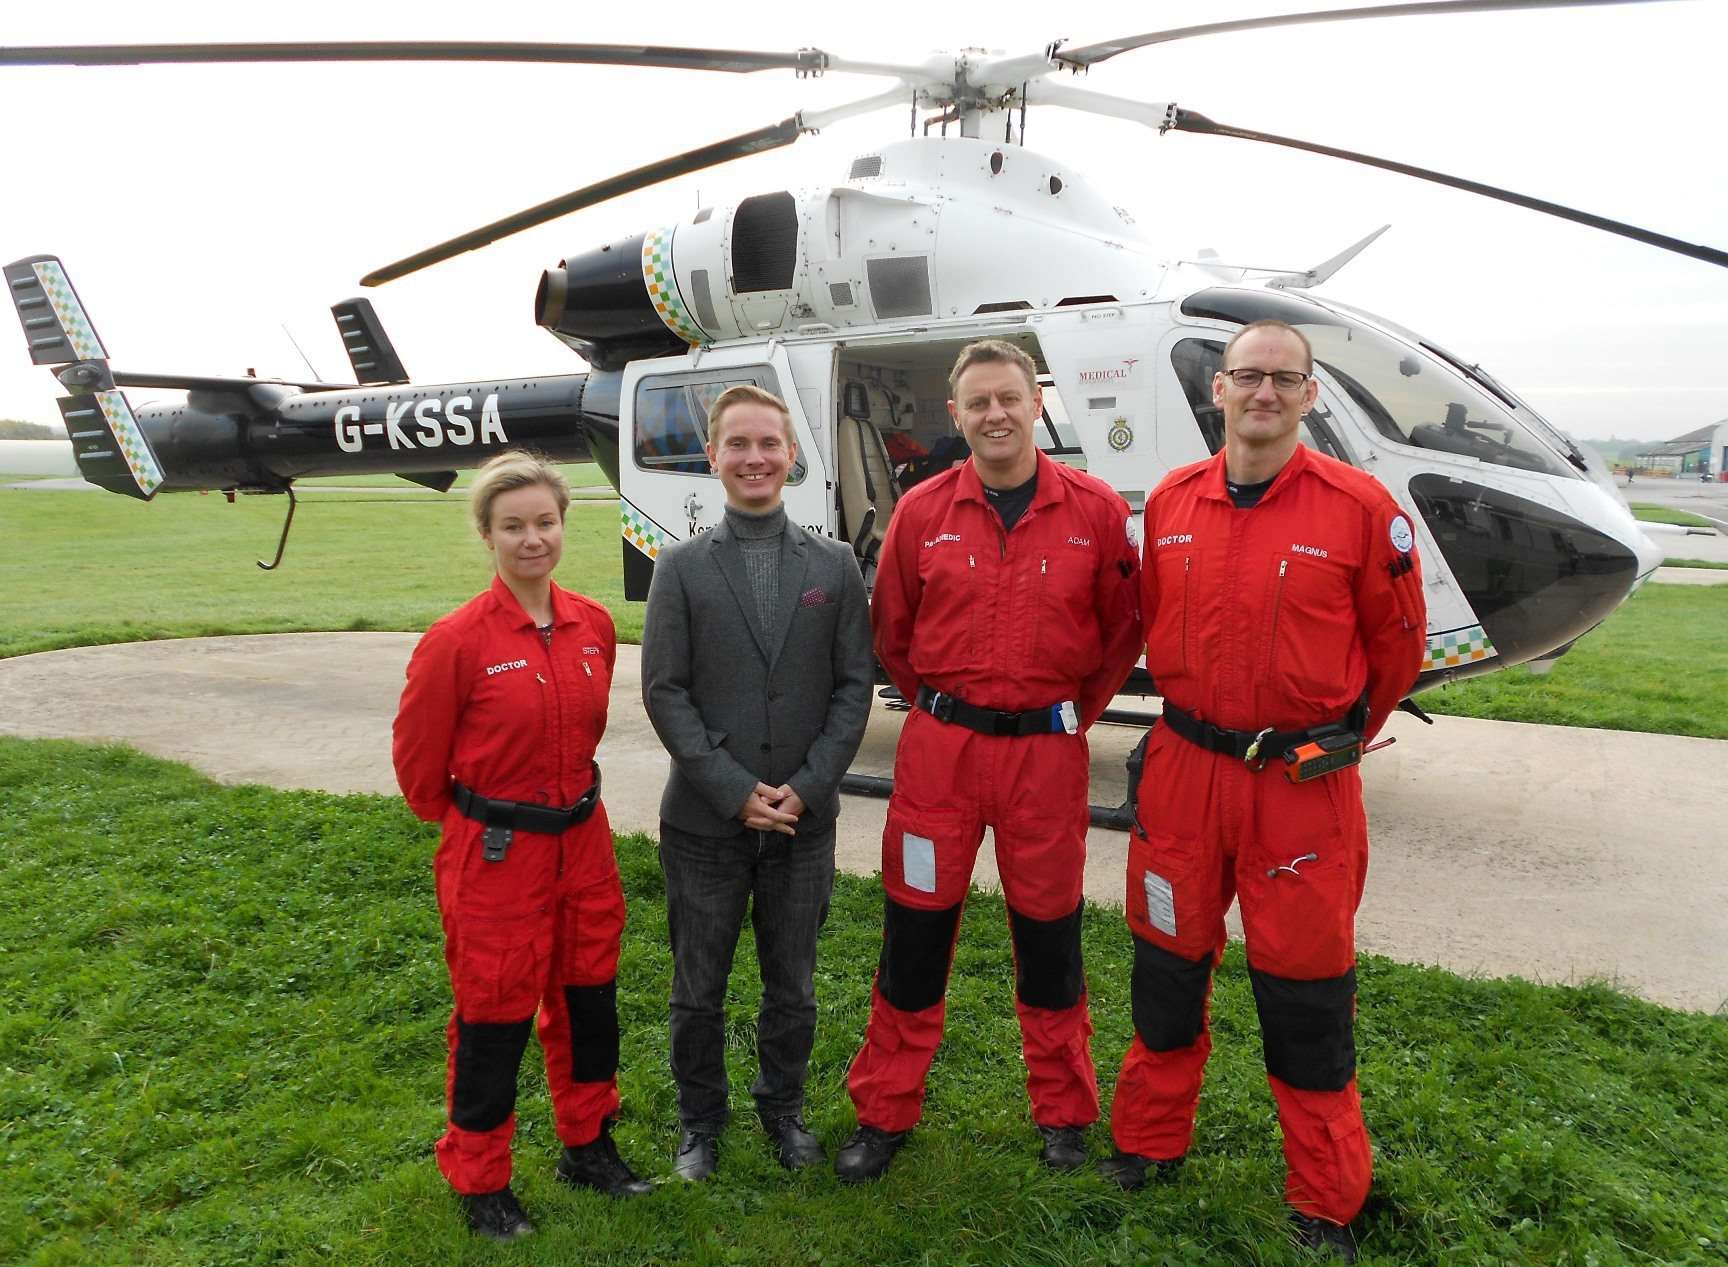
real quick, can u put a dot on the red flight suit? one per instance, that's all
(1285, 614)
(1012, 621)
(490, 703)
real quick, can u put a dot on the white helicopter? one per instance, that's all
(850, 301)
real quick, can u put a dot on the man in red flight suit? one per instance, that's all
(1281, 592)
(1006, 611)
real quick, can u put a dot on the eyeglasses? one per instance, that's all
(1283, 380)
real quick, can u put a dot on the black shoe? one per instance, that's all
(497, 1216)
(1328, 1239)
(867, 1154)
(1064, 1147)
(698, 1154)
(793, 1144)
(1129, 1170)
(597, 1165)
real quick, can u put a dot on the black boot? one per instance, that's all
(794, 1145)
(698, 1155)
(597, 1165)
(867, 1154)
(1130, 1170)
(497, 1216)
(1327, 1239)
(1064, 1147)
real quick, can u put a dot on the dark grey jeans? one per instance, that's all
(710, 882)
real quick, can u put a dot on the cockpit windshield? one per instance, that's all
(1407, 396)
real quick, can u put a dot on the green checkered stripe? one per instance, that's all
(131, 440)
(1460, 646)
(640, 531)
(79, 331)
(663, 286)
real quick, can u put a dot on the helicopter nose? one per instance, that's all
(1537, 578)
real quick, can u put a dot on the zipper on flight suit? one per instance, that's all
(1277, 604)
(1187, 603)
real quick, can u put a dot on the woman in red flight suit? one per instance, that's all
(495, 737)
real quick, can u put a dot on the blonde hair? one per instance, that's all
(992, 352)
(510, 470)
(747, 394)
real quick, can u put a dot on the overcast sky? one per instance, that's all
(201, 209)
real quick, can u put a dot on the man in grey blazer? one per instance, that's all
(756, 673)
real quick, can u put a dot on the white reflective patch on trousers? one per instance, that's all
(1160, 904)
(918, 862)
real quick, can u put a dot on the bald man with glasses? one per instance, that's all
(1284, 612)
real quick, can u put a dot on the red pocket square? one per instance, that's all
(812, 598)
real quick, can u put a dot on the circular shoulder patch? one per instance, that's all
(1402, 537)
(1133, 529)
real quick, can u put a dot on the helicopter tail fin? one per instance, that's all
(368, 347)
(111, 449)
(1326, 268)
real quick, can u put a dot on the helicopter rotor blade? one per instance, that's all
(771, 137)
(1181, 120)
(1091, 54)
(734, 61)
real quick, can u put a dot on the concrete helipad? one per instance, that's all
(1551, 853)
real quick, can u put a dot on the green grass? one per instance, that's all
(1654, 514)
(1694, 563)
(222, 1042)
(86, 568)
(1658, 664)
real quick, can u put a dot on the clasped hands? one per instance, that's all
(772, 809)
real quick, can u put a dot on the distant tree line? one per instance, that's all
(14, 429)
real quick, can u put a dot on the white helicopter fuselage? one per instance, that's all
(850, 303)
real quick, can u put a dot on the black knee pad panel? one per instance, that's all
(593, 1013)
(917, 947)
(1309, 1028)
(1169, 995)
(487, 1058)
(1047, 967)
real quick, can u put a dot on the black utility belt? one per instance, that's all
(503, 819)
(1308, 753)
(1055, 719)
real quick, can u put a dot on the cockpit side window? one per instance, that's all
(671, 419)
(1414, 402)
(1197, 360)
(1413, 394)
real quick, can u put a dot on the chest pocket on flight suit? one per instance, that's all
(1310, 625)
(1066, 613)
(1174, 629)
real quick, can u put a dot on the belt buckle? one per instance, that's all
(1251, 758)
(942, 706)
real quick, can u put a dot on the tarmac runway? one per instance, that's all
(1551, 853)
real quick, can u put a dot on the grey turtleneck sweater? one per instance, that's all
(758, 538)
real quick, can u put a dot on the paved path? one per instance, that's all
(1547, 852)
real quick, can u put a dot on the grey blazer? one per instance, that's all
(735, 703)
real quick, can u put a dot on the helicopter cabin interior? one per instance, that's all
(892, 429)
(884, 425)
